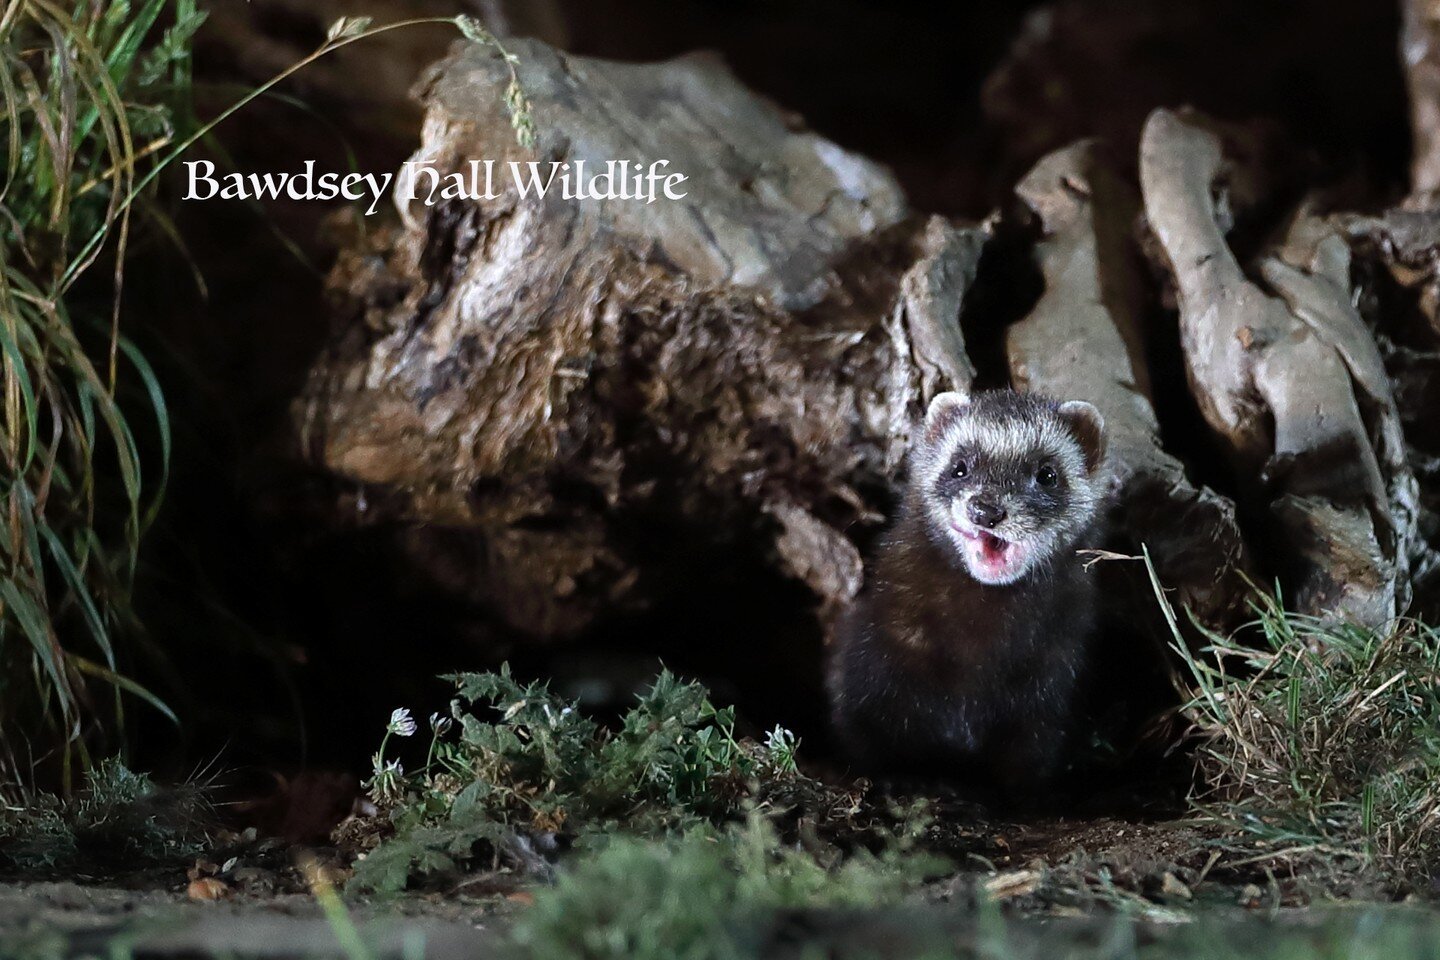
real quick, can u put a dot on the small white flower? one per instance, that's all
(441, 725)
(782, 745)
(401, 723)
(779, 738)
(389, 780)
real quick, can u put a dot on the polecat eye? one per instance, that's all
(962, 469)
(1046, 476)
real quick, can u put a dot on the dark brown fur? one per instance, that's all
(934, 672)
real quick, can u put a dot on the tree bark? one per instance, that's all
(1277, 380)
(583, 392)
(1420, 51)
(579, 385)
(1085, 339)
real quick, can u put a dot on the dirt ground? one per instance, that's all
(54, 919)
(1075, 882)
(36, 918)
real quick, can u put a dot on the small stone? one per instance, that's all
(1171, 886)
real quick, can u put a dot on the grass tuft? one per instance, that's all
(702, 894)
(1320, 742)
(117, 819)
(96, 105)
(92, 92)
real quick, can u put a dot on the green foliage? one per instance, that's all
(1321, 741)
(527, 760)
(704, 893)
(691, 898)
(90, 97)
(1323, 933)
(118, 817)
(96, 99)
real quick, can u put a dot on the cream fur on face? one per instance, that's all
(1016, 545)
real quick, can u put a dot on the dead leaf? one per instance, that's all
(207, 888)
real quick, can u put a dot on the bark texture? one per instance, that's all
(1282, 381)
(1420, 50)
(584, 386)
(1085, 339)
(582, 394)
(1397, 255)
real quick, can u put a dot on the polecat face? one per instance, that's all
(1010, 480)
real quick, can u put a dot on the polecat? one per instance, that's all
(960, 656)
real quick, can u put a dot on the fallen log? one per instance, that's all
(588, 390)
(605, 400)
(1397, 256)
(1276, 378)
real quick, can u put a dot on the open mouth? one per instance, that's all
(991, 559)
(992, 548)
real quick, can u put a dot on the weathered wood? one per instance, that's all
(1420, 52)
(564, 402)
(1085, 339)
(586, 388)
(1407, 244)
(1398, 253)
(1276, 379)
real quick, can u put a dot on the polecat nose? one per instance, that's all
(985, 513)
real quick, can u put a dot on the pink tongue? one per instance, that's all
(992, 548)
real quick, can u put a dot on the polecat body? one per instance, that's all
(961, 656)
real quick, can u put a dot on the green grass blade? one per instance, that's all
(91, 668)
(19, 370)
(162, 423)
(80, 592)
(32, 621)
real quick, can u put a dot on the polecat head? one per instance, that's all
(1009, 480)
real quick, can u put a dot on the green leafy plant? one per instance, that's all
(523, 759)
(704, 893)
(1320, 741)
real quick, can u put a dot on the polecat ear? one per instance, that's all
(1089, 427)
(943, 410)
